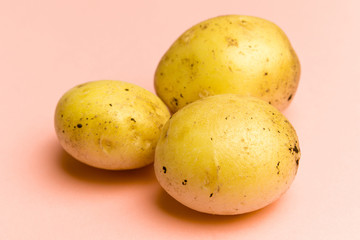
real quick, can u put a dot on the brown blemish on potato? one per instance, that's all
(203, 26)
(232, 42)
(296, 150)
(81, 85)
(293, 149)
(175, 101)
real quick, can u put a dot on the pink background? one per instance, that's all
(47, 47)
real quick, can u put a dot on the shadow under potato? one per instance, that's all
(163, 201)
(86, 173)
(175, 209)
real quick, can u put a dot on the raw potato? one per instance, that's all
(229, 54)
(227, 155)
(110, 124)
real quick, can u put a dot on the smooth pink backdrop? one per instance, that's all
(47, 47)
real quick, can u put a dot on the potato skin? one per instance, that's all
(110, 124)
(227, 155)
(229, 54)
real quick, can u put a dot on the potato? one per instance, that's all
(229, 54)
(227, 154)
(110, 124)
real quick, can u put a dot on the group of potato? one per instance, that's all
(215, 132)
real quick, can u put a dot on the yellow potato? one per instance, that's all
(110, 124)
(227, 154)
(229, 54)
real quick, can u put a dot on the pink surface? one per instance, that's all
(47, 47)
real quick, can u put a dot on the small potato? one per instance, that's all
(229, 54)
(110, 124)
(227, 155)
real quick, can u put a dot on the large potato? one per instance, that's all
(110, 124)
(229, 54)
(227, 154)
